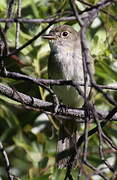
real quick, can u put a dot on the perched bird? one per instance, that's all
(65, 62)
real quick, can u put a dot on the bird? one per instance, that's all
(65, 62)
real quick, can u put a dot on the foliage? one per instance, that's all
(27, 135)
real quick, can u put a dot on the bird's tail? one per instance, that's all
(67, 139)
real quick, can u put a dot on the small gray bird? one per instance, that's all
(65, 62)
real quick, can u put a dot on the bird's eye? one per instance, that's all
(65, 33)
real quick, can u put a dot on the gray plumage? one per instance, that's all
(65, 62)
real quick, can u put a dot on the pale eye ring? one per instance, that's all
(65, 33)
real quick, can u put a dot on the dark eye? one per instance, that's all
(65, 33)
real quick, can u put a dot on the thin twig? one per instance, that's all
(51, 82)
(16, 51)
(72, 151)
(6, 162)
(18, 24)
(9, 14)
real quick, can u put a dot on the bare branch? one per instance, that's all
(9, 14)
(6, 162)
(18, 24)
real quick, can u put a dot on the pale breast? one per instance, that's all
(69, 68)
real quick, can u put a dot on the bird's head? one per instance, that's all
(63, 36)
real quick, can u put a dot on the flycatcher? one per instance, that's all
(65, 62)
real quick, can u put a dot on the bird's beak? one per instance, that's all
(49, 37)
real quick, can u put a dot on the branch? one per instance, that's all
(47, 106)
(28, 42)
(51, 82)
(27, 100)
(73, 150)
(88, 74)
(18, 25)
(9, 14)
(6, 162)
